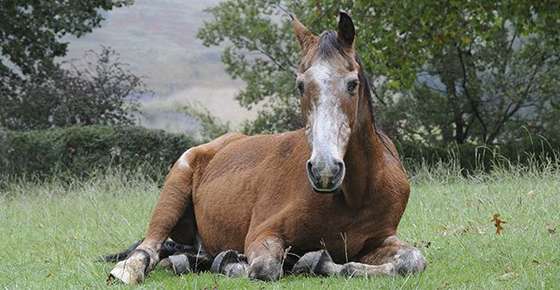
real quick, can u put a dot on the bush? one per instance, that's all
(472, 158)
(98, 90)
(80, 151)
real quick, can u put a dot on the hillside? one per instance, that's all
(158, 39)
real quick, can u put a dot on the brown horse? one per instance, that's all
(336, 187)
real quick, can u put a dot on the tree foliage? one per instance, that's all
(211, 126)
(35, 90)
(31, 31)
(100, 91)
(450, 71)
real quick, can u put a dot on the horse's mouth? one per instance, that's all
(326, 186)
(326, 190)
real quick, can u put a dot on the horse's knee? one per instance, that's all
(267, 268)
(409, 261)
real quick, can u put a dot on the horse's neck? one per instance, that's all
(364, 158)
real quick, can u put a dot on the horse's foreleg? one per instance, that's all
(266, 256)
(391, 258)
(263, 261)
(320, 263)
(174, 198)
(406, 259)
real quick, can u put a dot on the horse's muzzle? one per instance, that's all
(325, 177)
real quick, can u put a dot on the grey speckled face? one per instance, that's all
(328, 125)
(328, 83)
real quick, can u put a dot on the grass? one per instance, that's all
(51, 233)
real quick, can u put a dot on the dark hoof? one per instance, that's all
(315, 263)
(179, 264)
(230, 263)
(265, 268)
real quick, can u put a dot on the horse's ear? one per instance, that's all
(346, 30)
(305, 37)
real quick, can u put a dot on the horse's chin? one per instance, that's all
(332, 190)
(326, 191)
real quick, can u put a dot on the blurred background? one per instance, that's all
(158, 40)
(97, 83)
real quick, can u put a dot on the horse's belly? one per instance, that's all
(223, 213)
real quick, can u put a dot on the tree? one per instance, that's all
(31, 35)
(477, 69)
(103, 91)
(445, 72)
(31, 31)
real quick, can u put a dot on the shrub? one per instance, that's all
(81, 151)
(471, 157)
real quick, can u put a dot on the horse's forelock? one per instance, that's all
(329, 45)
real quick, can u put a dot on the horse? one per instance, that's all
(330, 194)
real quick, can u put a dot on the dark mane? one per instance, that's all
(367, 88)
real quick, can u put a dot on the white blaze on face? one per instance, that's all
(328, 126)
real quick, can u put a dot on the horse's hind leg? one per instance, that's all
(182, 240)
(391, 258)
(186, 253)
(174, 199)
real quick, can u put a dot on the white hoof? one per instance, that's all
(131, 271)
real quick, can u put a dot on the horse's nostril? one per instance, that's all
(310, 169)
(338, 168)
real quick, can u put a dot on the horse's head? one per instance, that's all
(328, 81)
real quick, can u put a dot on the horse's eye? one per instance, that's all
(351, 86)
(300, 87)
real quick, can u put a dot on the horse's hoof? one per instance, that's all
(409, 261)
(230, 263)
(265, 268)
(315, 263)
(132, 270)
(180, 264)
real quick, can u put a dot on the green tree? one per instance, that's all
(31, 31)
(476, 69)
(100, 91)
(211, 126)
(445, 72)
(32, 83)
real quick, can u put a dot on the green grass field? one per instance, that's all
(50, 234)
